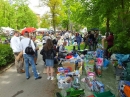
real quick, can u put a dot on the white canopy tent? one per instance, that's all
(42, 30)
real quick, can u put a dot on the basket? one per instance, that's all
(104, 94)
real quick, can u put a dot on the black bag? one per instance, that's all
(29, 50)
(57, 48)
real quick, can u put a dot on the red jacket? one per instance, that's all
(110, 40)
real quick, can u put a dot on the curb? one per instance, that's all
(6, 68)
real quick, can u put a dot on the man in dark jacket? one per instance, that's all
(91, 40)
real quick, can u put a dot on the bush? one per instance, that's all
(6, 54)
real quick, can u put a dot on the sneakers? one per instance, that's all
(38, 72)
(52, 77)
(48, 77)
(38, 78)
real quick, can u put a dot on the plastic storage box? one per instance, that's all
(104, 94)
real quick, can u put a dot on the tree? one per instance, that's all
(55, 8)
(4, 13)
(45, 21)
(17, 15)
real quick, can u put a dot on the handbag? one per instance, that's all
(29, 50)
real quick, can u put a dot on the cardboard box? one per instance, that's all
(70, 65)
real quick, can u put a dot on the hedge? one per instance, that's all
(6, 54)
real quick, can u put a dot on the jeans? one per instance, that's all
(108, 54)
(86, 43)
(72, 41)
(78, 45)
(30, 59)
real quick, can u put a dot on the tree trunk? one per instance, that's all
(123, 6)
(53, 19)
(108, 24)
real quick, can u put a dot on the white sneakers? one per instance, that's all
(38, 72)
(50, 78)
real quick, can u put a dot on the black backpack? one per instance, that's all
(57, 48)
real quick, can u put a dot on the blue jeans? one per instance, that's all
(78, 45)
(30, 59)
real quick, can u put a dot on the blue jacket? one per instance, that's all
(78, 39)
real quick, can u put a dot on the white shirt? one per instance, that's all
(15, 44)
(67, 35)
(24, 43)
(75, 43)
(62, 48)
(73, 36)
(45, 38)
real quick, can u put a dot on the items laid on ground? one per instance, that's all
(121, 62)
(69, 73)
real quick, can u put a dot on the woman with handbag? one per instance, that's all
(48, 54)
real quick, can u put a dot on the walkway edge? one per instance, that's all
(10, 65)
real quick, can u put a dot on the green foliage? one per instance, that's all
(55, 11)
(6, 54)
(17, 15)
(110, 16)
(65, 24)
(45, 22)
(3, 37)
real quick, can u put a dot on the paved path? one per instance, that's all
(13, 84)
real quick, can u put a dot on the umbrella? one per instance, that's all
(29, 29)
(94, 29)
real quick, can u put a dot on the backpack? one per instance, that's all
(57, 48)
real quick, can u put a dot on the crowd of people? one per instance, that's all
(53, 48)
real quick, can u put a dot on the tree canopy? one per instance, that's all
(112, 16)
(17, 15)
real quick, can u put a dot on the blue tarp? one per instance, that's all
(122, 58)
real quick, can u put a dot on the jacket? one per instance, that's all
(49, 54)
(110, 40)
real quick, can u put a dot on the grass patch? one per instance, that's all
(3, 38)
(39, 37)
(69, 48)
